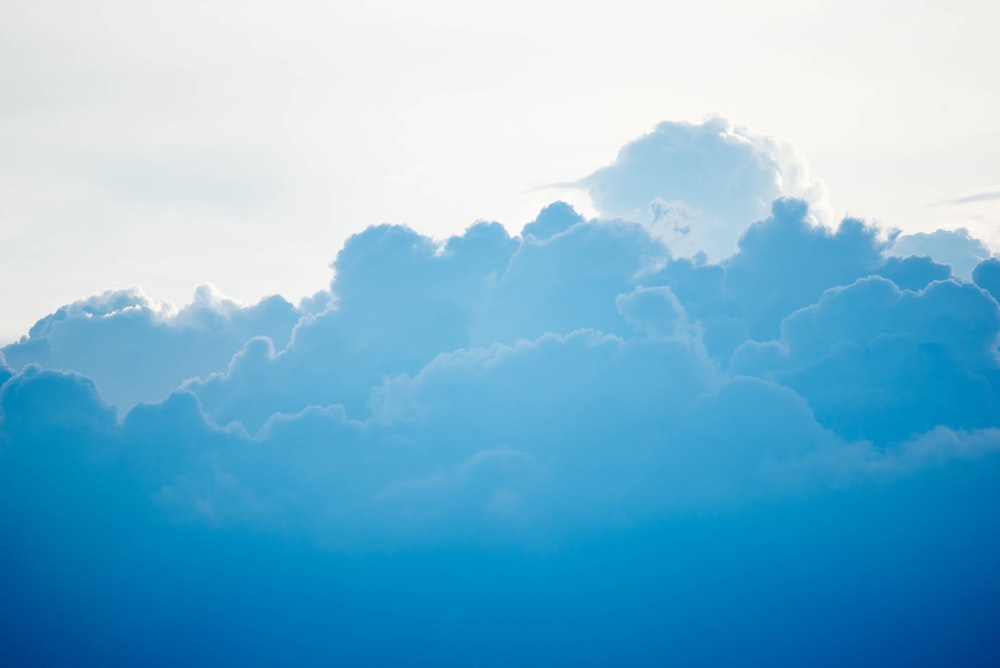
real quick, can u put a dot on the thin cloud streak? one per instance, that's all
(985, 196)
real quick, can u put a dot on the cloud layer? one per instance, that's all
(501, 424)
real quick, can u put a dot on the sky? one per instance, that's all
(451, 334)
(240, 144)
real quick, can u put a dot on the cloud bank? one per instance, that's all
(573, 424)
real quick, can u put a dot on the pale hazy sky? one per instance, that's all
(170, 144)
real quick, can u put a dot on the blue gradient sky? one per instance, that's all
(692, 401)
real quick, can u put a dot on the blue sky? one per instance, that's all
(556, 334)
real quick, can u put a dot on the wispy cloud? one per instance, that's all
(985, 196)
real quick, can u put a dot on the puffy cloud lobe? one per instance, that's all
(956, 248)
(784, 263)
(655, 312)
(400, 300)
(669, 165)
(569, 281)
(412, 299)
(987, 276)
(880, 363)
(553, 219)
(698, 185)
(914, 272)
(564, 401)
(51, 406)
(137, 350)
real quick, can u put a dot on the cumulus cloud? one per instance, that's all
(577, 375)
(956, 248)
(698, 185)
(479, 418)
(139, 350)
(884, 364)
